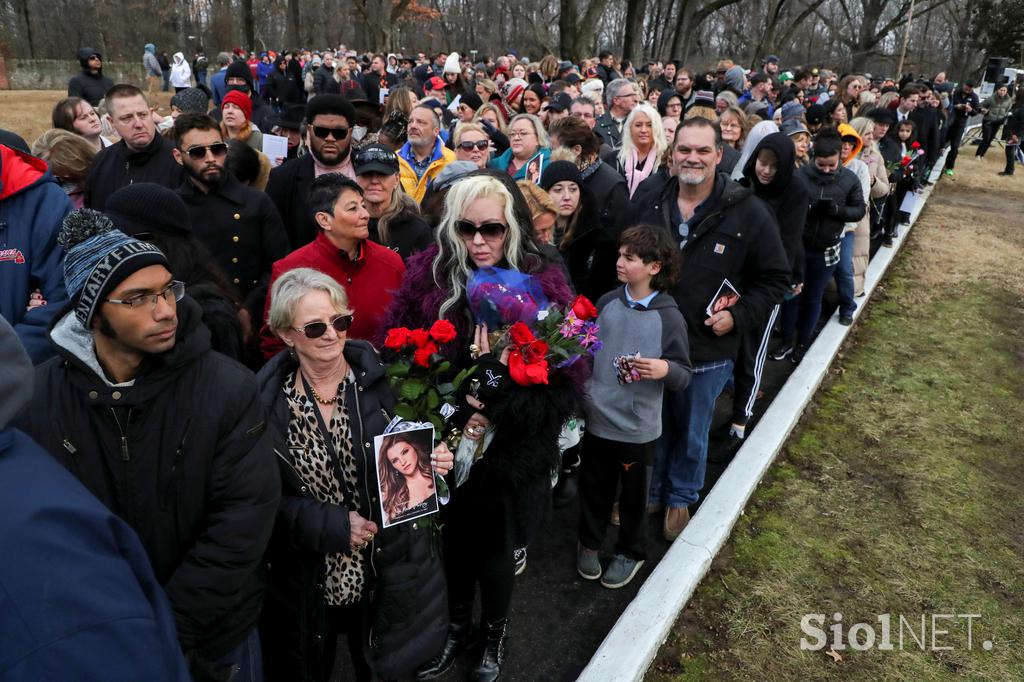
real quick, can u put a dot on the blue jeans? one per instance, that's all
(844, 276)
(246, 660)
(681, 454)
(816, 277)
(201, 77)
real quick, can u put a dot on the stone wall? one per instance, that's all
(54, 74)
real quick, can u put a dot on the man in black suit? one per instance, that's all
(329, 120)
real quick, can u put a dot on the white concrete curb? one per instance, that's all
(631, 645)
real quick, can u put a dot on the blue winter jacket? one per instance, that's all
(502, 162)
(32, 207)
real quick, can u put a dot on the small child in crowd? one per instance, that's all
(644, 351)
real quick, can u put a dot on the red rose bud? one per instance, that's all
(422, 355)
(535, 352)
(442, 331)
(583, 308)
(916, 145)
(419, 337)
(397, 338)
(521, 334)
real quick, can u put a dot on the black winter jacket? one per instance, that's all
(288, 187)
(608, 130)
(92, 87)
(181, 455)
(733, 236)
(835, 199)
(405, 603)
(117, 166)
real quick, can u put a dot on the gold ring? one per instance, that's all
(474, 351)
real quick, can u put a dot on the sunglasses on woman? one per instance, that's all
(198, 152)
(314, 330)
(468, 230)
(468, 146)
(338, 133)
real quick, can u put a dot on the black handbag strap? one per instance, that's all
(339, 473)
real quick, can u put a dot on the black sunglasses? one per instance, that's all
(198, 152)
(314, 330)
(375, 156)
(322, 133)
(468, 230)
(467, 146)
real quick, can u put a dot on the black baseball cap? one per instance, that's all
(375, 158)
(560, 102)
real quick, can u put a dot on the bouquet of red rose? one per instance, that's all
(419, 376)
(907, 166)
(559, 337)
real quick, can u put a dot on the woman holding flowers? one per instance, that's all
(513, 406)
(332, 568)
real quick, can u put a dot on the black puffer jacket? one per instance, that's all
(92, 87)
(406, 605)
(835, 199)
(118, 166)
(181, 455)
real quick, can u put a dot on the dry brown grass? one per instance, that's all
(28, 112)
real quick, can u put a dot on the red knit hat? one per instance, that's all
(240, 100)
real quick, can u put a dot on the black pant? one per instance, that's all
(478, 534)
(954, 135)
(988, 133)
(347, 620)
(606, 464)
(749, 366)
(1011, 157)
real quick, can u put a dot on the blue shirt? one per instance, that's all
(644, 302)
(420, 167)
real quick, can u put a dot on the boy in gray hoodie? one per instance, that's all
(644, 350)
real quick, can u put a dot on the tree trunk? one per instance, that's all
(577, 34)
(294, 23)
(635, 10)
(248, 23)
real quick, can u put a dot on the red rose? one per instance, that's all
(583, 308)
(536, 351)
(419, 337)
(442, 331)
(527, 373)
(916, 145)
(422, 355)
(520, 334)
(906, 161)
(397, 338)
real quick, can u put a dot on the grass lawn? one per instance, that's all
(901, 490)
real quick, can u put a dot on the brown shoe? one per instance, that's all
(676, 519)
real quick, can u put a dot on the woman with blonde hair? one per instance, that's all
(494, 115)
(69, 156)
(549, 67)
(543, 212)
(643, 146)
(516, 426)
(878, 192)
(485, 87)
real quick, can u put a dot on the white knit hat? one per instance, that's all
(451, 64)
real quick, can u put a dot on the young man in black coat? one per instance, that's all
(964, 104)
(1013, 131)
(140, 156)
(724, 233)
(168, 434)
(91, 85)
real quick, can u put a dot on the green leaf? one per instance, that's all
(405, 411)
(444, 367)
(433, 399)
(446, 389)
(411, 389)
(399, 369)
(461, 376)
(559, 351)
(436, 421)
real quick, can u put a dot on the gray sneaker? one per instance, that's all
(588, 563)
(620, 571)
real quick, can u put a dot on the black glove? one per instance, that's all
(485, 384)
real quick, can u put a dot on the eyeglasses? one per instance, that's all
(516, 134)
(198, 152)
(489, 231)
(338, 133)
(172, 294)
(468, 146)
(314, 330)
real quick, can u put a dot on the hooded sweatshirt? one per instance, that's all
(754, 137)
(149, 61)
(90, 86)
(735, 79)
(859, 168)
(786, 195)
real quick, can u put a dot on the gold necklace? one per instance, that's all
(324, 401)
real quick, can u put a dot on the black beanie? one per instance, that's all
(148, 207)
(239, 70)
(558, 172)
(472, 100)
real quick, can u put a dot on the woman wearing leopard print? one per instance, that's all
(332, 569)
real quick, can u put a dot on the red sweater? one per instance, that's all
(369, 281)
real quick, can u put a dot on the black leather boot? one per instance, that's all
(494, 652)
(460, 636)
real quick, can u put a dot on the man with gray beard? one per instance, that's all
(735, 271)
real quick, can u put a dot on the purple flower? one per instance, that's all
(589, 337)
(571, 326)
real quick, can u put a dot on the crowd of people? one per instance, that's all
(208, 317)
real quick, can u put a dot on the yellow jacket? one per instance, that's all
(417, 187)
